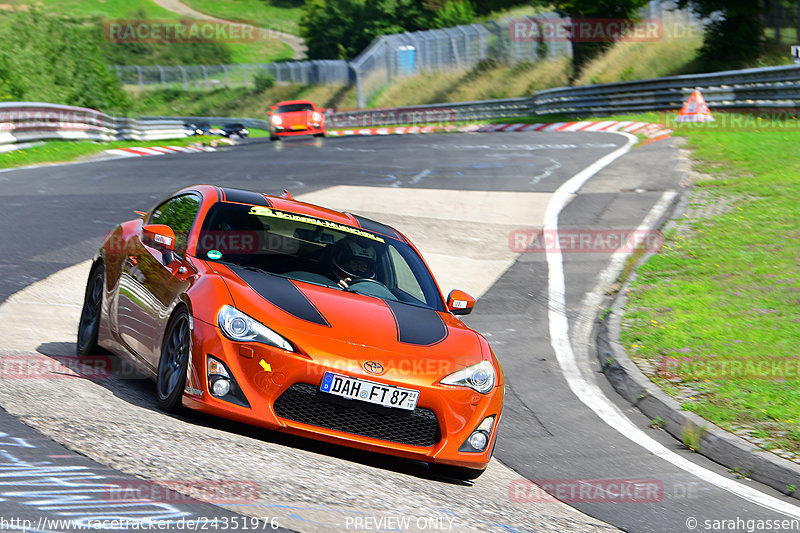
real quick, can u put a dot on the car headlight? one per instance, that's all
(479, 377)
(237, 326)
(316, 117)
(245, 131)
(277, 120)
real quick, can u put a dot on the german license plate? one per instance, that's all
(369, 391)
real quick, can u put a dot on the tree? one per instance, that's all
(341, 29)
(57, 60)
(734, 34)
(454, 13)
(482, 7)
(582, 52)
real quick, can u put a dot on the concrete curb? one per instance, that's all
(732, 452)
(652, 131)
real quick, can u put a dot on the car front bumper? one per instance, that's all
(282, 389)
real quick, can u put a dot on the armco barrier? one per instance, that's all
(757, 88)
(769, 88)
(216, 121)
(33, 121)
(432, 114)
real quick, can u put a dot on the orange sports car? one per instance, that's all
(295, 117)
(294, 317)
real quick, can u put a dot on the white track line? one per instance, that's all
(590, 393)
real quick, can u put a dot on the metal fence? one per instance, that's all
(456, 48)
(319, 72)
(768, 88)
(392, 56)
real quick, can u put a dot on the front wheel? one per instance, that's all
(89, 324)
(322, 134)
(174, 361)
(273, 137)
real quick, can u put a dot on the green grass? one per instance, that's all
(110, 9)
(723, 294)
(65, 151)
(260, 51)
(281, 15)
(233, 102)
(676, 54)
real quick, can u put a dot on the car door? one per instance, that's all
(153, 277)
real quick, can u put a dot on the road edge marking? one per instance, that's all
(589, 393)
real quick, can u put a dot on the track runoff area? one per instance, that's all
(473, 204)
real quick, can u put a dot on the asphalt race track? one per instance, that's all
(461, 199)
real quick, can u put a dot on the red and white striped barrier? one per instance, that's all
(158, 150)
(652, 131)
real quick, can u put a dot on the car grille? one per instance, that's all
(304, 403)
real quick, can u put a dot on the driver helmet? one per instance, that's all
(352, 259)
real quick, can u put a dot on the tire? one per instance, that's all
(319, 134)
(274, 137)
(89, 324)
(456, 472)
(173, 363)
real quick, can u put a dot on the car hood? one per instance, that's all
(346, 330)
(296, 117)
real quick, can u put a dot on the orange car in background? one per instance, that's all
(295, 117)
(297, 318)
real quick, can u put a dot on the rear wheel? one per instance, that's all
(455, 472)
(174, 361)
(89, 324)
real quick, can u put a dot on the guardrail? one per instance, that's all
(760, 88)
(34, 121)
(216, 121)
(435, 113)
(757, 88)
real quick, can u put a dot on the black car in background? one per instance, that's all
(235, 128)
(201, 128)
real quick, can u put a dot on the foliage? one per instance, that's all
(734, 32)
(454, 13)
(482, 7)
(263, 81)
(583, 52)
(341, 29)
(57, 60)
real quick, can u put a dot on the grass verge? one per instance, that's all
(281, 15)
(713, 317)
(67, 151)
(228, 102)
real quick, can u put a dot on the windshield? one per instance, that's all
(317, 251)
(288, 108)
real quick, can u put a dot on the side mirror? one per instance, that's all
(460, 303)
(161, 235)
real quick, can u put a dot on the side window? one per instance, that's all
(178, 213)
(406, 281)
